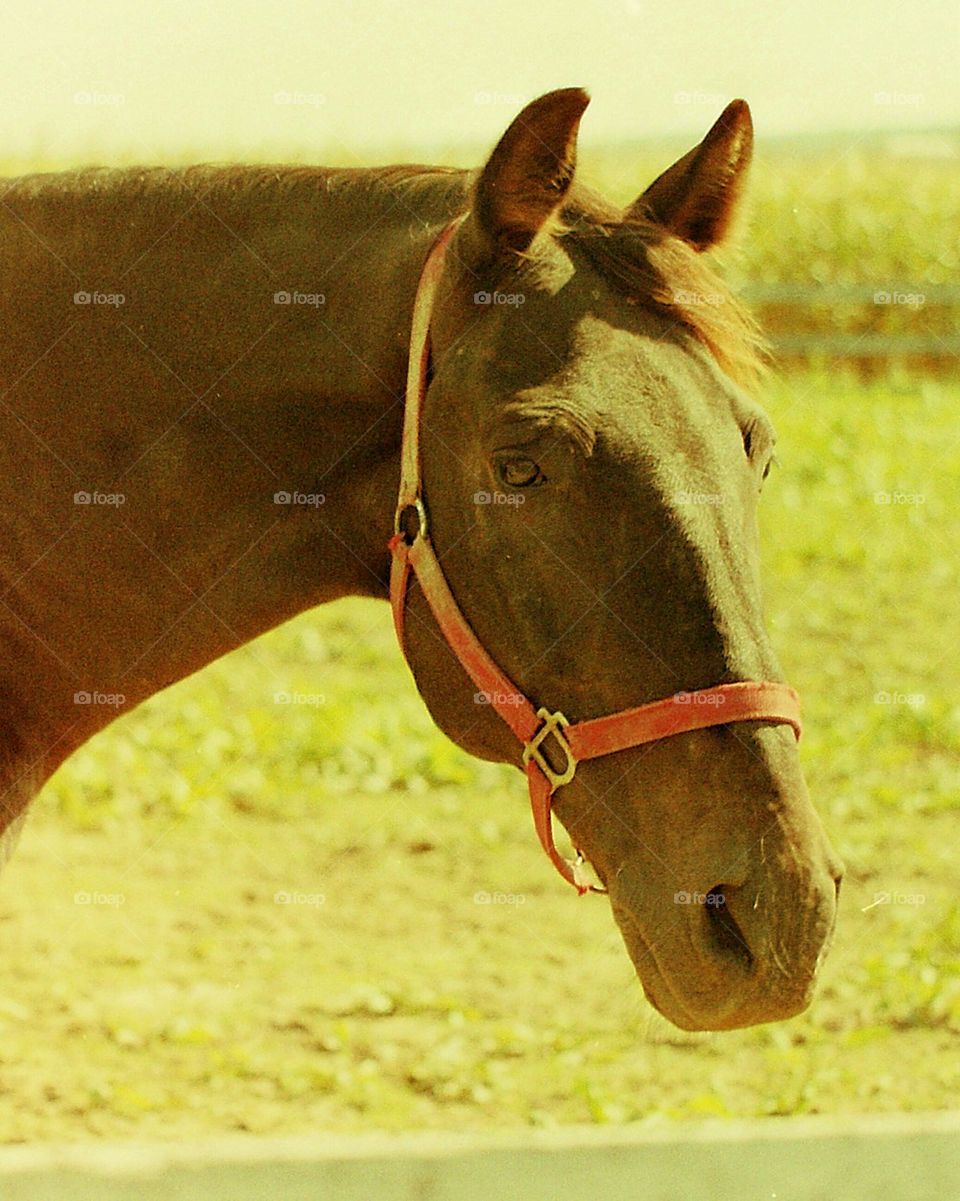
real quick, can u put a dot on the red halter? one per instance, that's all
(412, 550)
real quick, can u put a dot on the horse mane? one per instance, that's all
(435, 190)
(663, 273)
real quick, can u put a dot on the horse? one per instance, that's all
(204, 383)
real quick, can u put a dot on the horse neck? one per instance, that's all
(197, 406)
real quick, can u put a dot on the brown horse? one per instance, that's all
(202, 378)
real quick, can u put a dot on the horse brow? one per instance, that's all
(555, 417)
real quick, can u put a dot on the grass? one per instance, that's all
(233, 913)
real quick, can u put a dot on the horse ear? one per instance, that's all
(529, 172)
(697, 197)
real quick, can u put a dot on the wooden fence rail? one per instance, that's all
(895, 1158)
(917, 334)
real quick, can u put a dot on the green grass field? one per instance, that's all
(228, 913)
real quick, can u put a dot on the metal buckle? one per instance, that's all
(416, 507)
(553, 723)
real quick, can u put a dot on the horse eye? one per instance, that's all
(520, 473)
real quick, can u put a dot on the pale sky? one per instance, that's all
(165, 79)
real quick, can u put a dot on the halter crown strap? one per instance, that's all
(537, 728)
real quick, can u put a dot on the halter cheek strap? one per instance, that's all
(547, 738)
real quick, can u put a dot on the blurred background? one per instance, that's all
(316, 912)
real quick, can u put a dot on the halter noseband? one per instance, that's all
(534, 726)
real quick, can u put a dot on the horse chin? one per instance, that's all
(660, 992)
(655, 983)
(744, 1002)
(9, 839)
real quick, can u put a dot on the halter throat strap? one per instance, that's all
(551, 746)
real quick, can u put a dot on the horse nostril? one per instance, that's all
(837, 881)
(725, 933)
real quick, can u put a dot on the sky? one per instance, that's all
(164, 79)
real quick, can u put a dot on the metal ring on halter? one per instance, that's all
(409, 537)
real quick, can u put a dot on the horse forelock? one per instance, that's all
(645, 263)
